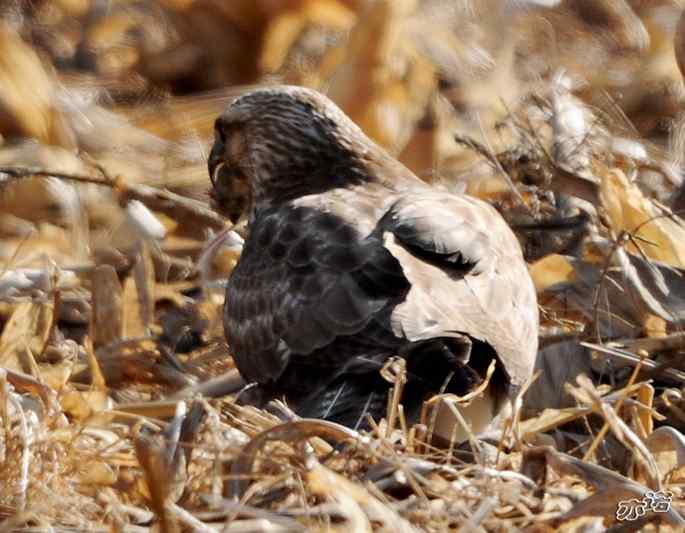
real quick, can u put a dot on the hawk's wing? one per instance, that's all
(304, 279)
(467, 275)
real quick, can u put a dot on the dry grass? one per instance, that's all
(117, 406)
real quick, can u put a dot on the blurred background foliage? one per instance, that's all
(567, 115)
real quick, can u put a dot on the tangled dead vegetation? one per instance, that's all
(116, 406)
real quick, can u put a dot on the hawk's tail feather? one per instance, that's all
(351, 397)
(349, 400)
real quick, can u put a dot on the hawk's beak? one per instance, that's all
(215, 162)
(230, 192)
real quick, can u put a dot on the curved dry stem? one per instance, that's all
(289, 433)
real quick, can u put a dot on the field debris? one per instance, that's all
(118, 406)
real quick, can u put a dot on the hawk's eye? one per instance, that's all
(230, 192)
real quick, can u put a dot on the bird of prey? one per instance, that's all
(350, 260)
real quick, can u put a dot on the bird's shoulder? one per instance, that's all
(361, 205)
(450, 220)
(430, 209)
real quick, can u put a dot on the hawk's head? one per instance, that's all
(278, 143)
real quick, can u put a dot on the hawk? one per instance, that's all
(350, 260)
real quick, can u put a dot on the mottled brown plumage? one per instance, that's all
(350, 260)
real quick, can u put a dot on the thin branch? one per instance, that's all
(135, 191)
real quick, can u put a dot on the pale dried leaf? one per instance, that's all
(107, 317)
(25, 333)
